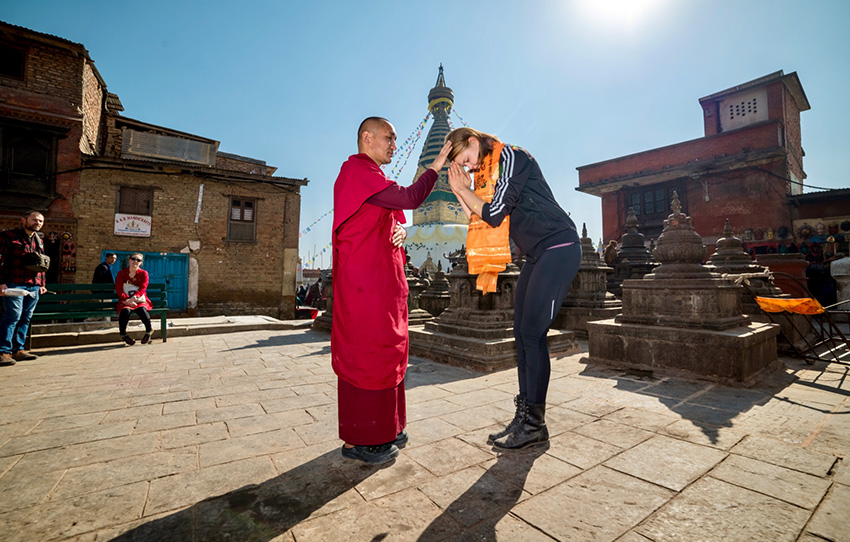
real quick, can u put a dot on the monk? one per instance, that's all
(369, 341)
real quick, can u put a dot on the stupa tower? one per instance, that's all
(439, 224)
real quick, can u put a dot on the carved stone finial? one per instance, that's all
(727, 229)
(584, 229)
(631, 221)
(676, 205)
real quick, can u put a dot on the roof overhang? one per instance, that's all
(695, 170)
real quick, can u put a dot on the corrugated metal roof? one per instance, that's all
(41, 36)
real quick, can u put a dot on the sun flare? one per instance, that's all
(619, 12)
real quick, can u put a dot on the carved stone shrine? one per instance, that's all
(634, 260)
(436, 297)
(476, 331)
(415, 286)
(684, 320)
(588, 298)
(732, 260)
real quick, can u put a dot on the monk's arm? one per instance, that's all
(406, 197)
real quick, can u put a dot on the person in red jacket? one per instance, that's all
(369, 340)
(131, 285)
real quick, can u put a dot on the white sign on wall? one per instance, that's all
(132, 225)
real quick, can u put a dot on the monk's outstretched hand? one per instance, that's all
(399, 235)
(440, 160)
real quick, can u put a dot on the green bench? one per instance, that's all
(80, 301)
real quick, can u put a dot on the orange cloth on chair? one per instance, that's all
(488, 249)
(803, 305)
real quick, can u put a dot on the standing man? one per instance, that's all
(103, 271)
(369, 341)
(19, 248)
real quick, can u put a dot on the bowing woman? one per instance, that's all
(131, 285)
(547, 237)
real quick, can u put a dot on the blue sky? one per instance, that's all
(572, 81)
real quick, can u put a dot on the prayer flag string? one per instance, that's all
(459, 117)
(308, 228)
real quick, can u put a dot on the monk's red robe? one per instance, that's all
(369, 341)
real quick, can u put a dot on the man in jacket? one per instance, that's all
(15, 244)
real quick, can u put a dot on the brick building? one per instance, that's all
(220, 229)
(745, 168)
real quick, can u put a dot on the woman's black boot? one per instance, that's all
(531, 430)
(519, 401)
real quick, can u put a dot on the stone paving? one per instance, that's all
(233, 437)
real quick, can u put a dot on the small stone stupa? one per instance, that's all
(634, 260)
(683, 319)
(588, 298)
(732, 260)
(436, 298)
(415, 286)
(476, 331)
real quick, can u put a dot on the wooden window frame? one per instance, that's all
(237, 234)
(119, 208)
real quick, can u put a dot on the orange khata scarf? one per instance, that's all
(487, 248)
(803, 305)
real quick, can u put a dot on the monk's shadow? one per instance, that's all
(477, 512)
(259, 513)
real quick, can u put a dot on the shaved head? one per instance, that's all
(371, 125)
(376, 138)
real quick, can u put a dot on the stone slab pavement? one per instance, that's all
(233, 437)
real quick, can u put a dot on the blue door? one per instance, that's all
(166, 268)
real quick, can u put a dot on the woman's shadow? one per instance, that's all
(480, 508)
(259, 513)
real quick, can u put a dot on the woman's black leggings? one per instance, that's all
(124, 317)
(541, 289)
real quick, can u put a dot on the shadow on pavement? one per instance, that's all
(308, 336)
(708, 406)
(481, 507)
(78, 349)
(261, 512)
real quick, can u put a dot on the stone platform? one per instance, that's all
(739, 356)
(234, 437)
(491, 354)
(576, 318)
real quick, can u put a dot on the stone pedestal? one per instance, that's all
(588, 298)
(740, 356)
(684, 320)
(476, 331)
(436, 298)
(791, 264)
(323, 321)
(633, 259)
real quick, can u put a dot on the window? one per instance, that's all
(242, 220)
(135, 201)
(12, 62)
(651, 201)
(27, 160)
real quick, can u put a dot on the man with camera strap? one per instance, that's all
(22, 279)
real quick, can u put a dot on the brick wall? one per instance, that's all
(749, 197)
(762, 136)
(93, 95)
(233, 277)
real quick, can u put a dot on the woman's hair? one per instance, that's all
(460, 141)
